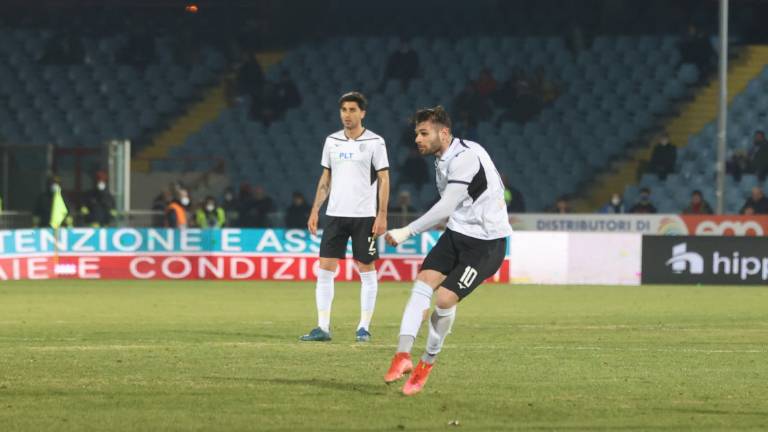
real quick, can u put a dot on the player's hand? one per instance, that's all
(379, 226)
(398, 235)
(312, 222)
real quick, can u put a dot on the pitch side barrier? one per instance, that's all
(533, 257)
(226, 254)
(658, 224)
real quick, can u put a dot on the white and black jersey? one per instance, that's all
(483, 214)
(354, 164)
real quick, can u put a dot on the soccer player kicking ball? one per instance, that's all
(355, 169)
(471, 249)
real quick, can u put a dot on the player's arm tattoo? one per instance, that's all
(323, 189)
(383, 179)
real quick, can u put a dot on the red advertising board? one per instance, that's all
(213, 267)
(733, 225)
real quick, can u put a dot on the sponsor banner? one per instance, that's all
(575, 258)
(665, 224)
(705, 260)
(212, 267)
(734, 225)
(162, 240)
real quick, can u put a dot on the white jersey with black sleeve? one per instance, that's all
(354, 164)
(483, 213)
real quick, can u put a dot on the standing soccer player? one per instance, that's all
(471, 249)
(355, 172)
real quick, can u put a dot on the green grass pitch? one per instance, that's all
(210, 356)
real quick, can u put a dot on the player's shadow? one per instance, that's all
(239, 334)
(366, 389)
(720, 412)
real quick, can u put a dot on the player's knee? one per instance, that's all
(446, 298)
(431, 278)
(364, 268)
(329, 264)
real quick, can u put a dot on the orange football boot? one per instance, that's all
(401, 365)
(417, 379)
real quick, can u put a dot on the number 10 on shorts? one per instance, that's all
(468, 277)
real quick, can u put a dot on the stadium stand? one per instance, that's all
(613, 91)
(86, 103)
(696, 167)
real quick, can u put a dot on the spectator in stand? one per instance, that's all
(506, 95)
(210, 215)
(403, 204)
(562, 205)
(696, 49)
(757, 201)
(250, 78)
(614, 206)
(402, 212)
(297, 214)
(737, 164)
(407, 135)
(643, 205)
(98, 209)
(758, 155)
(246, 216)
(161, 200)
(261, 206)
(414, 170)
(486, 84)
(748, 210)
(525, 104)
(465, 126)
(698, 205)
(663, 158)
(286, 94)
(176, 215)
(470, 101)
(159, 204)
(231, 205)
(402, 65)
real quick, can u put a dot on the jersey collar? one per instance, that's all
(344, 134)
(451, 149)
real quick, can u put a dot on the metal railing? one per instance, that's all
(15, 219)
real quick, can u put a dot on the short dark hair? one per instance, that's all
(696, 192)
(356, 97)
(437, 115)
(645, 190)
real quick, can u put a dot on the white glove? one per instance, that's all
(400, 235)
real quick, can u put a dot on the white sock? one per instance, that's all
(369, 285)
(440, 324)
(324, 298)
(418, 304)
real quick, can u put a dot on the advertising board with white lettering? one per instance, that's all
(158, 253)
(705, 260)
(658, 224)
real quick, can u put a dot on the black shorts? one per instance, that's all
(466, 261)
(340, 229)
